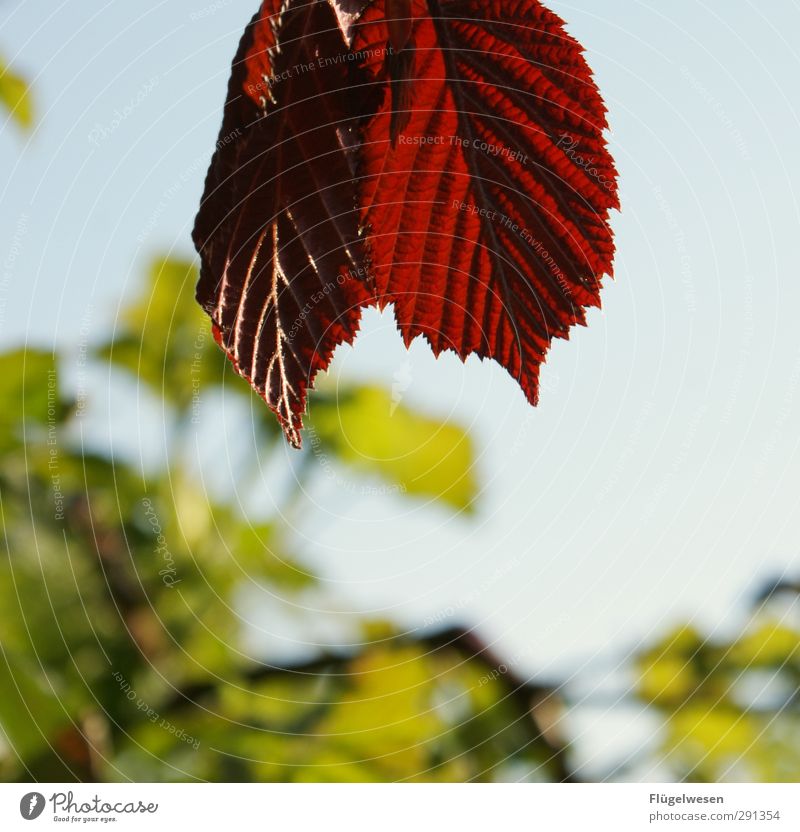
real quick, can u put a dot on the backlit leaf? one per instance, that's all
(277, 230)
(488, 211)
(479, 169)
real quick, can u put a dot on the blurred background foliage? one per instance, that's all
(730, 706)
(123, 654)
(15, 96)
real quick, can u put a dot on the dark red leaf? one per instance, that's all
(483, 182)
(277, 231)
(486, 181)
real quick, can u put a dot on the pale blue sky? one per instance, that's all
(660, 475)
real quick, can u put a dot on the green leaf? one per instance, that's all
(15, 96)
(29, 712)
(30, 395)
(165, 338)
(413, 453)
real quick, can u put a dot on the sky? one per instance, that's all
(658, 481)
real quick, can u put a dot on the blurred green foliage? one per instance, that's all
(15, 96)
(421, 456)
(123, 650)
(165, 344)
(730, 706)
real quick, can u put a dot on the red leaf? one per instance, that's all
(486, 182)
(484, 185)
(281, 274)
